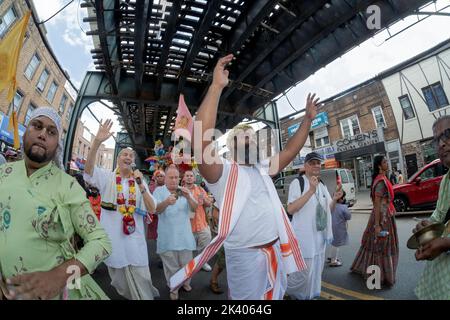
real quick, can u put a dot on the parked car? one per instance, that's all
(421, 190)
(330, 177)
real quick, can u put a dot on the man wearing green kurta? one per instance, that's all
(41, 209)
(434, 283)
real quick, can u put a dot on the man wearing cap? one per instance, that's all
(41, 209)
(310, 204)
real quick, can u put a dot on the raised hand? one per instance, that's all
(104, 131)
(220, 75)
(311, 106)
(313, 183)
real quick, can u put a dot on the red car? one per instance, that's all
(422, 189)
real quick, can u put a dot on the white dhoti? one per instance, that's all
(306, 285)
(133, 283)
(255, 274)
(174, 261)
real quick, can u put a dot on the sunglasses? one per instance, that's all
(444, 136)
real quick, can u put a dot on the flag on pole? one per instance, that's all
(13, 126)
(184, 124)
(10, 47)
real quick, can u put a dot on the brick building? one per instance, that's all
(82, 145)
(351, 128)
(41, 81)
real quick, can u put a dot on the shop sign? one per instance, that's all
(293, 129)
(7, 135)
(321, 120)
(359, 141)
(326, 152)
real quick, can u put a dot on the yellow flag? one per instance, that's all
(10, 47)
(13, 126)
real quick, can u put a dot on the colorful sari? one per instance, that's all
(380, 251)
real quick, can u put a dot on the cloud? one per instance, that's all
(367, 60)
(71, 18)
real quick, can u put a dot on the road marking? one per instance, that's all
(350, 293)
(329, 296)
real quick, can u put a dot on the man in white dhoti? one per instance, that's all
(310, 204)
(260, 246)
(126, 202)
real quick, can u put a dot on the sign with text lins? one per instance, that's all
(319, 121)
(361, 144)
(7, 135)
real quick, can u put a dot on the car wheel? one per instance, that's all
(400, 203)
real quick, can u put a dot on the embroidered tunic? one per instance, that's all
(39, 215)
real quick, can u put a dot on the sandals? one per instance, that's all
(214, 286)
(336, 263)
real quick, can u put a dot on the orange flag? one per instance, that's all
(10, 47)
(13, 126)
(184, 124)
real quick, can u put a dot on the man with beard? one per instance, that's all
(435, 280)
(260, 245)
(41, 208)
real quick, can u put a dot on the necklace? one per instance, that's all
(127, 211)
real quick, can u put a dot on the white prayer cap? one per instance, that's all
(50, 113)
(53, 115)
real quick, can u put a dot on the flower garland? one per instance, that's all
(129, 225)
(123, 208)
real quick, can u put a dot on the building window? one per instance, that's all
(32, 66)
(321, 137)
(435, 96)
(51, 92)
(42, 80)
(31, 108)
(69, 113)
(16, 103)
(405, 103)
(350, 126)
(7, 20)
(378, 117)
(62, 104)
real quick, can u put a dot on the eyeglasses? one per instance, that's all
(444, 136)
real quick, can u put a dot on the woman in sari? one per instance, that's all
(379, 244)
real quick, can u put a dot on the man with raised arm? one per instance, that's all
(260, 245)
(125, 203)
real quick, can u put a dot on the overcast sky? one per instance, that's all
(72, 47)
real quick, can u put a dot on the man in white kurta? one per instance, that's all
(128, 265)
(260, 246)
(129, 262)
(303, 206)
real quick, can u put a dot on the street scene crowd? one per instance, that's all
(221, 214)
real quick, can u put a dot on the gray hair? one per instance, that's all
(443, 118)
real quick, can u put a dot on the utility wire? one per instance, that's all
(42, 22)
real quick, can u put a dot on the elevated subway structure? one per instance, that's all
(148, 52)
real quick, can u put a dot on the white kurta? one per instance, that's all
(307, 284)
(128, 250)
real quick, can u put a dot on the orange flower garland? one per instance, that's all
(126, 211)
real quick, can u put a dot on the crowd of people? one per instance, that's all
(239, 218)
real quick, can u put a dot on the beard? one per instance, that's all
(39, 157)
(247, 156)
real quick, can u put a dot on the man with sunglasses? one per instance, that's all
(434, 282)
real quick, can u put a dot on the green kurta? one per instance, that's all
(38, 217)
(434, 284)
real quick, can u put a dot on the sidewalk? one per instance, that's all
(363, 201)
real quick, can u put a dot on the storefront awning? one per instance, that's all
(370, 149)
